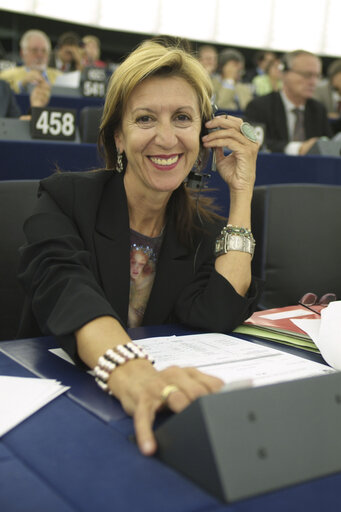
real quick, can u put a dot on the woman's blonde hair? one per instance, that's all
(149, 59)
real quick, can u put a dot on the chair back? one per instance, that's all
(297, 228)
(17, 199)
(89, 123)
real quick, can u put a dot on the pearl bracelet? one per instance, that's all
(114, 357)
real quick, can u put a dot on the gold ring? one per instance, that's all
(168, 390)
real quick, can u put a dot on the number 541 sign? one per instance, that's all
(53, 123)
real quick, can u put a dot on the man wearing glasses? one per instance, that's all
(293, 120)
(35, 48)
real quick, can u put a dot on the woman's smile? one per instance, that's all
(164, 162)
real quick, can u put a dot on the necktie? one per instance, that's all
(299, 132)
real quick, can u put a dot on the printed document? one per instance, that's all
(231, 359)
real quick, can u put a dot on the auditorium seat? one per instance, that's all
(297, 228)
(89, 122)
(17, 199)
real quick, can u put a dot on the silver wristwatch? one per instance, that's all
(235, 239)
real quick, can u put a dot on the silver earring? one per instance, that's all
(119, 162)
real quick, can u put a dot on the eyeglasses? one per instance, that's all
(45, 51)
(307, 75)
(311, 299)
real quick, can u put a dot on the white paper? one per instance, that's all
(326, 333)
(230, 358)
(20, 397)
(201, 350)
(70, 79)
(287, 314)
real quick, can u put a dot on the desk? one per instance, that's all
(65, 458)
(77, 102)
(38, 159)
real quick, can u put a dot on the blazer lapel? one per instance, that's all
(112, 246)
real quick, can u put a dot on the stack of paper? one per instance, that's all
(20, 397)
(278, 325)
(231, 359)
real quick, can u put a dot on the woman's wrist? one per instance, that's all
(240, 217)
(97, 336)
(115, 357)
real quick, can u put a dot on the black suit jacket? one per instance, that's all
(269, 110)
(76, 265)
(8, 104)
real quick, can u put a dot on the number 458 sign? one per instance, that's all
(53, 123)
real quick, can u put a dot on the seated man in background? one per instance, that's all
(35, 50)
(229, 92)
(68, 54)
(92, 52)
(329, 91)
(293, 120)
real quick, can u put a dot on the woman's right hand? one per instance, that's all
(140, 389)
(137, 384)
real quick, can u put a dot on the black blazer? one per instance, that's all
(269, 110)
(76, 265)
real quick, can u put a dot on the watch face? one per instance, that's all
(235, 243)
(229, 242)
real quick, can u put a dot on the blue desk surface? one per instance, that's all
(24, 160)
(68, 458)
(29, 159)
(77, 102)
(37, 159)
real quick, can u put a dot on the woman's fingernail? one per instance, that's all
(148, 447)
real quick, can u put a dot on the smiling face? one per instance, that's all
(160, 134)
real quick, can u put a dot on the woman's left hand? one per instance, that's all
(238, 169)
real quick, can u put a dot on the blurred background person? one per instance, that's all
(68, 54)
(35, 50)
(92, 52)
(261, 61)
(329, 91)
(229, 92)
(293, 119)
(271, 80)
(208, 57)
